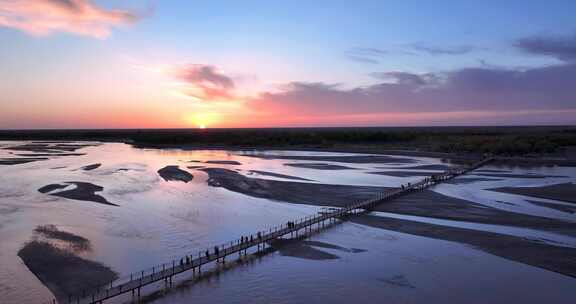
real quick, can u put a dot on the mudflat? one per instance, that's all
(352, 159)
(289, 191)
(82, 192)
(266, 173)
(174, 173)
(60, 268)
(553, 258)
(319, 166)
(561, 192)
(422, 203)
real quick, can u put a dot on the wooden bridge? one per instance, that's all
(165, 272)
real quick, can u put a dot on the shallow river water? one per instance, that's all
(158, 221)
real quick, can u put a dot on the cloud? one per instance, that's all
(367, 55)
(560, 47)
(407, 78)
(443, 50)
(485, 89)
(45, 17)
(206, 83)
(468, 89)
(375, 55)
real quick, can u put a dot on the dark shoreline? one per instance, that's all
(540, 144)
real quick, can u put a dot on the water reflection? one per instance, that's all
(158, 221)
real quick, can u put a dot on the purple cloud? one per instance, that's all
(443, 50)
(372, 55)
(206, 83)
(407, 78)
(470, 89)
(561, 47)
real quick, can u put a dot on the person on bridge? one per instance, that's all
(251, 238)
(216, 250)
(207, 254)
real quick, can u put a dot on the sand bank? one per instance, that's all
(353, 159)
(288, 191)
(319, 166)
(82, 192)
(423, 203)
(266, 173)
(91, 167)
(562, 192)
(61, 270)
(174, 173)
(554, 258)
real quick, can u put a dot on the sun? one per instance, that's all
(201, 120)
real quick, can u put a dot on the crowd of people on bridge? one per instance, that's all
(434, 179)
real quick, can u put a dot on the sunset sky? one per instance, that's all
(174, 64)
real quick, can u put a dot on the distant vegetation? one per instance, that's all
(498, 140)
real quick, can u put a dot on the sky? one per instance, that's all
(189, 64)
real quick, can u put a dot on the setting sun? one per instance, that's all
(202, 120)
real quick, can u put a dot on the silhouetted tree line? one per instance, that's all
(497, 140)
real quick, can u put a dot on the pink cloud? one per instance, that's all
(44, 17)
(206, 83)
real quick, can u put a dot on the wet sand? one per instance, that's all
(174, 173)
(562, 208)
(287, 191)
(223, 162)
(82, 192)
(514, 175)
(266, 173)
(468, 180)
(332, 246)
(40, 152)
(427, 167)
(76, 242)
(428, 203)
(562, 192)
(195, 167)
(553, 258)
(91, 167)
(17, 161)
(423, 203)
(298, 249)
(61, 271)
(354, 159)
(319, 166)
(51, 187)
(50, 148)
(402, 173)
(48, 154)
